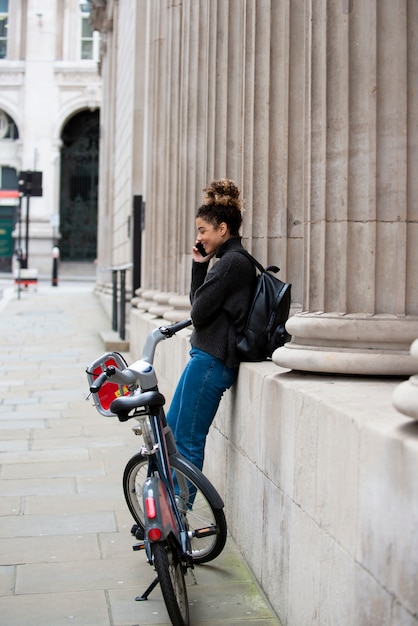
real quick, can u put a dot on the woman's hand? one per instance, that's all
(199, 253)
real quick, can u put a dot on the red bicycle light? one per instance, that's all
(109, 390)
(150, 508)
(154, 534)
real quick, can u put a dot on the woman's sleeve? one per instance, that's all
(209, 297)
(199, 271)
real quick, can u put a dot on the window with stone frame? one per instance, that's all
(90, 39)
(4, 18)
(86, 39)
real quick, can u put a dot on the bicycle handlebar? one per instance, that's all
(157, 335)
(101, 379)
(141, 370)
(169, 331)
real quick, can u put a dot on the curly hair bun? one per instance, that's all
(224, 192)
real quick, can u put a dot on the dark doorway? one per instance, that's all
(9, 213)
(79, 179)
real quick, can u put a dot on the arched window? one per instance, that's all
(8, 129)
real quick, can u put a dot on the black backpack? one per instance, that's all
(265, 327)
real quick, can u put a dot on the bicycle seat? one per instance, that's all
(125, 404)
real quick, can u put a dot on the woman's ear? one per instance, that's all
(223, 228)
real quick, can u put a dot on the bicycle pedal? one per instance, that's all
(138, 546)
(140, 533)
(205, 532)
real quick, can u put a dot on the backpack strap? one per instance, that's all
(271, 268)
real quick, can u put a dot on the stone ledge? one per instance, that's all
(330, 466)
(113, 343)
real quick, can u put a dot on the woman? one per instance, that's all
(220, 298)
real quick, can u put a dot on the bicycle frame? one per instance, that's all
(163, 519)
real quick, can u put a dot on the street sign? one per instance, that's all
(30, 183)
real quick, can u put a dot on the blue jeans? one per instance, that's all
(196, 401)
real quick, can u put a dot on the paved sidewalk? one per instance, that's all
(65, 544)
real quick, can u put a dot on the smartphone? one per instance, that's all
(201, 249)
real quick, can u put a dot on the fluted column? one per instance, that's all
(156, 123)
(360, 294)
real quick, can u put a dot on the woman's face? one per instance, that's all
(211, 236)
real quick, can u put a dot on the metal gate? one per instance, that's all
(79, 181)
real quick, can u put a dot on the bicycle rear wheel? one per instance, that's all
(173, 587)
(200, 514)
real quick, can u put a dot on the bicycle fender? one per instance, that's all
(201, 481)
(158, 512)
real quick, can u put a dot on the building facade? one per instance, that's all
(310, 105)
(320, 136)
(50, 98)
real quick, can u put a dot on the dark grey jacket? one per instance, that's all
(221, 299)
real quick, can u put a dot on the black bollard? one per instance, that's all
(55, 258)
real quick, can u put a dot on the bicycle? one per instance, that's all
(178, 514)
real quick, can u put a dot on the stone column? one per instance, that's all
(360, 288)
(175, 124)
(156, 211)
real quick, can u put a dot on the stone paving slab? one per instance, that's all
(51, 469)
(10, 505)
(50, 549)
(63, 524)
(35, 578)
(35, 487)
(40, 456)
(75, 502)
(65, 545)
(86, 608)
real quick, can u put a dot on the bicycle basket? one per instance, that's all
(109, 391)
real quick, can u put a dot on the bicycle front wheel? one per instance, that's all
(206, 523)
(173, 587)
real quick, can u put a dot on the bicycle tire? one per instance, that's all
(199, 514)
(173, 587)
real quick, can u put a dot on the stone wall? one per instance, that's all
(318, 474)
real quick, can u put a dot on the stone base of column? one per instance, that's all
(332, 343)
(169, 306)
(405, 396)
